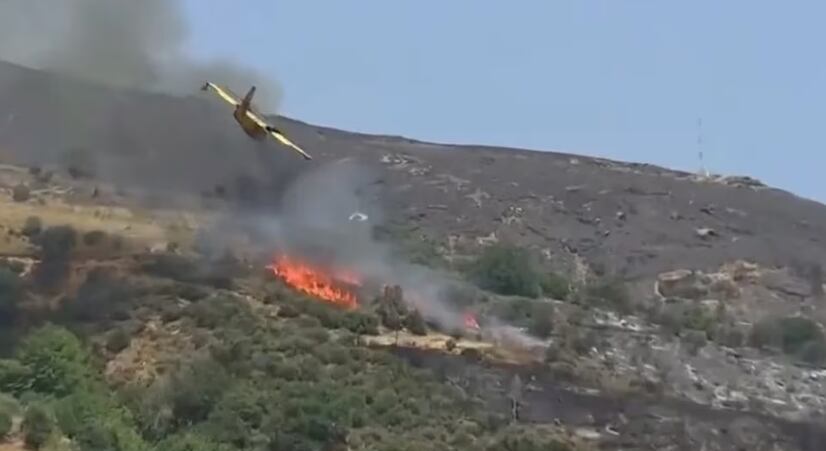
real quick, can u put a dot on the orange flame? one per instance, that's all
(315, 282)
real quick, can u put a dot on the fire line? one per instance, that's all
(316, 282)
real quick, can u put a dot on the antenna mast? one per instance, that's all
(703, 170)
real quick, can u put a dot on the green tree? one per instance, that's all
(14, 376)
(56, 246)
(414, 322)
(57, 361)
(96, 422)
(506, 270)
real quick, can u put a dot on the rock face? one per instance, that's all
(690, 284)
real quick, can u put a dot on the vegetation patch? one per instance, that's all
(506, 270)
(794, 335)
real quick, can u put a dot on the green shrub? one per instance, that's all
(14, 376)
(555, 286)
(611, 293)
(118, 340)
(9, 404)
(695, 340)
(797, 331)
(94, 237)
(514, 311)
(192, 442)
(211, 313)
(11, 292)
(361, 323)
(56, 246)
(171, 266)
(814, 352)
(37, 426)
(542, 322)
(520, 438)
(414, 322)
(506, 270)
(288, 311)
(57, 242)
(196, 389)
(94, 421)
(5, 423)
(729, 335)
(57, 361)
(21, 193)
(100, 296)
(32, 227)
(79, 162)
(697, 317)
(794, 335)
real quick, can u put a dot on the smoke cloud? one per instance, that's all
(121, 43)
(121, 50)
(313, 223)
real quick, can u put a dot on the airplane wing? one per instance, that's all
(223, 93)
(277, 135)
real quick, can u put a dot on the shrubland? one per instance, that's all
(300, 379)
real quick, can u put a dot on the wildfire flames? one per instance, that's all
(315, 282)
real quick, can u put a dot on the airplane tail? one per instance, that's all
(245, 103)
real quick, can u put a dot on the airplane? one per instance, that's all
(250, 121)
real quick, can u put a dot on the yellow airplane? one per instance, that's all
(250, 121)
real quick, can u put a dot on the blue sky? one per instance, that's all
(623, 79)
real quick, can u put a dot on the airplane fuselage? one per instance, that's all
(249, 126)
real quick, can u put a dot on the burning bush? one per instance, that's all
(329, 286)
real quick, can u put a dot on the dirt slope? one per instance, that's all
(636, 219)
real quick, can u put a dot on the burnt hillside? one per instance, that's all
(631, 218)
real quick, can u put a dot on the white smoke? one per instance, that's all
(314, 224)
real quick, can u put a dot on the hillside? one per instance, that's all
(633, 306)
(631, 218)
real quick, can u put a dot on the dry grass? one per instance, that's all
(145, 229)
(432, 341)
